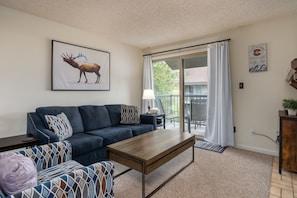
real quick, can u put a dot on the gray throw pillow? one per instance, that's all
(130, 114)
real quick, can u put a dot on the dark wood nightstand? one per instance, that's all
(158, 118)
(19, 141)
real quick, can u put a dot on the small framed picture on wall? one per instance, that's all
(257, 58)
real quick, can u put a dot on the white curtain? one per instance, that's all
(148, 79)
(219, 126)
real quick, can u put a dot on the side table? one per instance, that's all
(19, 141)
(156, 118)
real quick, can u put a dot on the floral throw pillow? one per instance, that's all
(129, 114)
(60, 125)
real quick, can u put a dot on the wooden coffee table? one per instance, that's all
(147, 152)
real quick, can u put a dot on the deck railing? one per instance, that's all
(170, 103)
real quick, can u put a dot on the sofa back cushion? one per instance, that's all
(71, 112)
(94, 117)
(114, 113)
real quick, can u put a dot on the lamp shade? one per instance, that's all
(148, 94)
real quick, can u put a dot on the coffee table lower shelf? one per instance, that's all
(162, 184)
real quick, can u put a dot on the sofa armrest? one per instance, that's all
(35, 126)
(148, 119)
(49, 155)
(95, 180)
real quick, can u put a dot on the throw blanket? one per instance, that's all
(17, 173)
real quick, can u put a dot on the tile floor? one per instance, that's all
(282, 186)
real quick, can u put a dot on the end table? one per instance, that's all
(155, 118)
(19, 141)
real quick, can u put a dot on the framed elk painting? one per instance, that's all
(79, 68)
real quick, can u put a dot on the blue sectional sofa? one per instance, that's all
(94, 127)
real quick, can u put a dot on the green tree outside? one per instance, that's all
(164, 78)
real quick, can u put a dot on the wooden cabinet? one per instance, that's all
(288, 142)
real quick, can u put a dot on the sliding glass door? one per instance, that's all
(180, 84)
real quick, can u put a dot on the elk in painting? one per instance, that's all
(83, 68)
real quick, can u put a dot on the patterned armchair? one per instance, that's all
(60, 176)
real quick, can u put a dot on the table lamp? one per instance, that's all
(148, 94)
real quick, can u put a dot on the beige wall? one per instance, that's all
(25, 62)
(257, 105)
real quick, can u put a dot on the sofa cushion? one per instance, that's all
(129, 114)
(71, 112)
(57, 171)
(94, 117)
(83, 143)
(112, 134)
(114, 113)
(139, 128)
(60, 125)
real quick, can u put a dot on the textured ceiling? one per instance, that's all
(151, 23)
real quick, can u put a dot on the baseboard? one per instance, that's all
(258, 150)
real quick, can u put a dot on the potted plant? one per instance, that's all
(290, 105)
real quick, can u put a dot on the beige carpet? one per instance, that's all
(234, 173)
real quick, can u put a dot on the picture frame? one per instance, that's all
(79, 68)
(257, 58)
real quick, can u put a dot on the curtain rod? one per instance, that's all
(186, 47)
